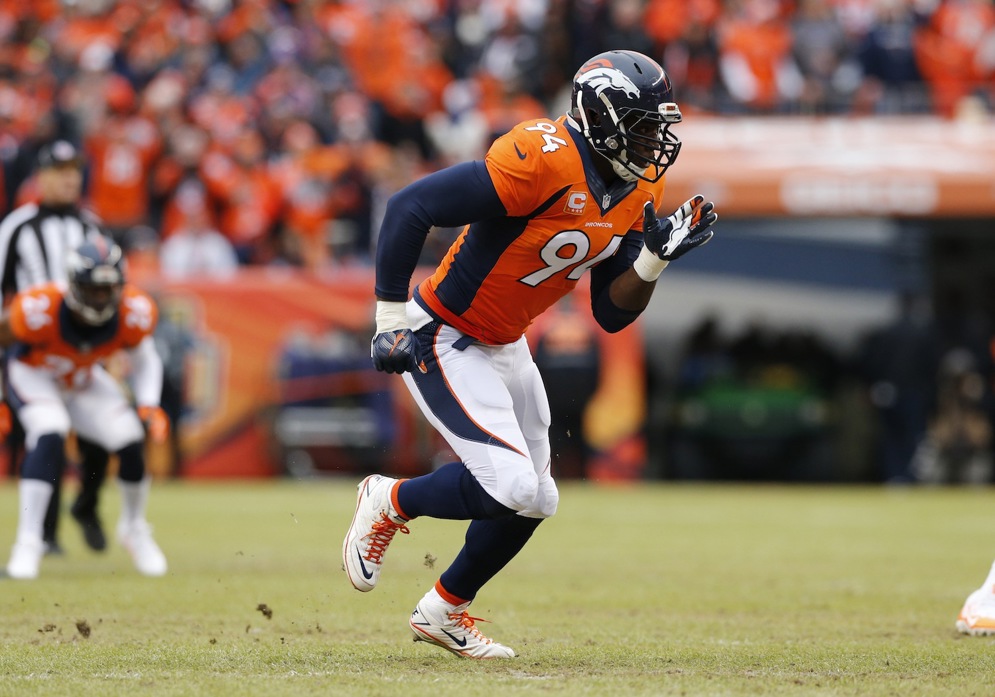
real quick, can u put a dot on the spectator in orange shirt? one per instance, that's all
(755, 57)
(505, 103)
(397, 65)
(122, 152)
(667, 21)
(954, 51)
(305, 172)
(248, 198)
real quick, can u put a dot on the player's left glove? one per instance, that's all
(676, 235)
(394, 349)
(156, 423)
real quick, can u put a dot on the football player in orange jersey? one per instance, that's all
(553, 199)
(59, 335)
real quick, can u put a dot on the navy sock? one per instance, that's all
(450, 493)
(489, 546)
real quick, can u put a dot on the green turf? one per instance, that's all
(653, 590)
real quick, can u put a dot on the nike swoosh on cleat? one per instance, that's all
(367, 574)
(459, 642)
(521, 155)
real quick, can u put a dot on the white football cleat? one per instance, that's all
(977, 617)
(453, 629)
(25, 558)
(373, 527)
(136, 538)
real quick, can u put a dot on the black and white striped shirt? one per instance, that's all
(34, 242)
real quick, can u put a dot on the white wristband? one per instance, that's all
(391, 316)
(648, 266)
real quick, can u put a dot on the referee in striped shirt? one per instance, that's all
(34, 241)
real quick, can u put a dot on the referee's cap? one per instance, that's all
(58, 154)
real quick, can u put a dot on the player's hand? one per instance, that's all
(156, 423)
(6, 421)
(685, 229)
(395, 351)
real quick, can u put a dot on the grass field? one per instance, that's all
(653, 590)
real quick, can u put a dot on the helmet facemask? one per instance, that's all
(638, 143)
(95, 287)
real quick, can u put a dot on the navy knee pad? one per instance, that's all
(47, 460)
(131, 462)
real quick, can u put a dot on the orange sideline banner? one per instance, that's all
(838, 166)
(240, 333)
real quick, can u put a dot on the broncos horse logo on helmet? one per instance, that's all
(603, 78)
(623, 104)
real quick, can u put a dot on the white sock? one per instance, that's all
(134, 497)
(434, 597)
(34, 495)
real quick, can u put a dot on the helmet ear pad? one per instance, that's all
(604, 132)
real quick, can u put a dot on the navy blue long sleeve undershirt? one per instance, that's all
(452, 197)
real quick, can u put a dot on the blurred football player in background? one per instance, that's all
(58, 335)
(552, 200)
(35, 240)
(977, 616)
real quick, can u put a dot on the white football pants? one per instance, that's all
(98, 411)
(490, 405)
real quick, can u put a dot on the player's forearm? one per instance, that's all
(618, 304)
(146, 376)
(630, 292)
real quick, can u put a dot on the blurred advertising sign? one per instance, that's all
(909, 166)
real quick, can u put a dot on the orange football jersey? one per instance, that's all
(49, 338)
(501, 274)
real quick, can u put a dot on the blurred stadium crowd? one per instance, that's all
(285, 124)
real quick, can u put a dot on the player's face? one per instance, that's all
(645, 132)
(60, 185)
(99, 297)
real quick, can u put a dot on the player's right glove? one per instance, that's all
(676, 235)
(394, 349)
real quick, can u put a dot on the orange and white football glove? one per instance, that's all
(670, 238)
(156, 423)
